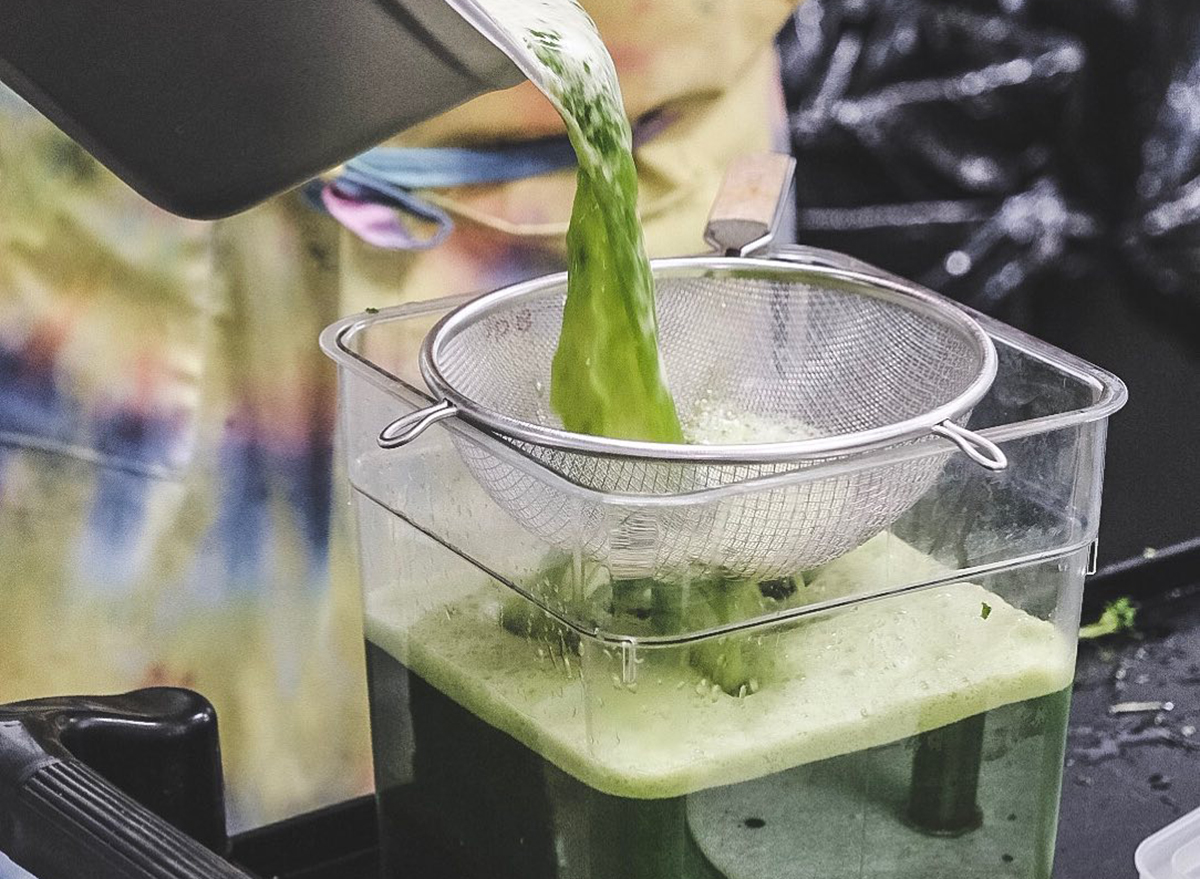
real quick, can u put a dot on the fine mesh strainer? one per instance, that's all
(847, 360)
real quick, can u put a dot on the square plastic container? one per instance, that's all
(898, 712)
(1173, 852)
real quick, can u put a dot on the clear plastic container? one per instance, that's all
(899, 712)
(1173, 852)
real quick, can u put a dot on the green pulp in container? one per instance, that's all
(840, 682)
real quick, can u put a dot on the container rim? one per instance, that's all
(765, 621)
(1109, 392)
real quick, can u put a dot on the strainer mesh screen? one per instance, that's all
(831, 357)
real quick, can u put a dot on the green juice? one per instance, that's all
(606, 378)
(909, 737)
(466, 800)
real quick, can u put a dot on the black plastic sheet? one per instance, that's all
(1161, 237)
(1040, 160)
(990, 149)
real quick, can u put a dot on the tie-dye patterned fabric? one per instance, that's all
(167, 510)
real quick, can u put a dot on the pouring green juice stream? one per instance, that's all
(607, 378)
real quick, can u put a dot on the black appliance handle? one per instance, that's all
(119, 787)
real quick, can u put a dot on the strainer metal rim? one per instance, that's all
(506, 427)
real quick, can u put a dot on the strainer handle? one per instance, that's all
(750, 203)
(979, 449)
(819, 256)
(408, 427)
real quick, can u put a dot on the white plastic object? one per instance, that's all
(1173, 852)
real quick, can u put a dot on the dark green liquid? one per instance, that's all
(461, 799)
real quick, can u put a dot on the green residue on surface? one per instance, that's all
(1118, 616)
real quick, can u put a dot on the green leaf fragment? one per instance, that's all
(985, 610)
(1118, 616)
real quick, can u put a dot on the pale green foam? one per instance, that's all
(843, 682)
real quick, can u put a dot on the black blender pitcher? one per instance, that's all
(207, 107)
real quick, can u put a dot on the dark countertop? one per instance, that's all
(1129, 774)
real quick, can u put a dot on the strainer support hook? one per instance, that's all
(978, 448)
(407, 428)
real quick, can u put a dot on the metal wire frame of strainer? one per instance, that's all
(861, 361)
